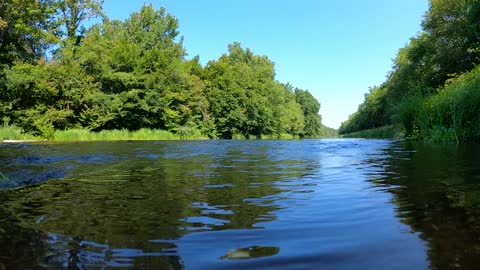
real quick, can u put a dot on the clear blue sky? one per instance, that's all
(336, 49)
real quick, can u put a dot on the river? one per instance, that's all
(306, 204)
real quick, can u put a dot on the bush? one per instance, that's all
(452, 115)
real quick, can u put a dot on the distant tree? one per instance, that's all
(240, 86)
(311, 108)
(133, 74)
(448, 46)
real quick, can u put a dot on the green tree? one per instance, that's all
(448, 46)
(287, 111)
(239, 89)
(310, 107)
(133, 74)
(144, 77)
(26, 29)
(72, 13)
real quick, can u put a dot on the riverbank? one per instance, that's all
(13, 134)
(385, 132)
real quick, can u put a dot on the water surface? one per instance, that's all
(311, 204)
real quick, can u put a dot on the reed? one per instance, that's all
(15, 133)
(122, 134)
(452, 115)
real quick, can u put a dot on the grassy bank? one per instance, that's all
(386, 132)
(450, 116)
(16, 133)
(123, 134)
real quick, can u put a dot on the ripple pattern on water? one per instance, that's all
(307, 204)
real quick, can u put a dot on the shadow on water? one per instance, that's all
(436, 192)
(128, 204)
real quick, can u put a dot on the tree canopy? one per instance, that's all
(134, 74)
(448, 47)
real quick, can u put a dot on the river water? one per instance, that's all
(309, 204)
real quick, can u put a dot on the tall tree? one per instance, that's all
(448, 46)
(26, 29)
(143, 75)
(240, 84)
(74, 12)
(311, 108)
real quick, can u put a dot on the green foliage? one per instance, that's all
(27, 29)
(287, 111)
(372, 113)
(144, 80)
(15, 133)
(406, 113)
(425, 91)
(328, 132)
(241, 83)
(310, 108)
(453, 114)
(73, 12)
(132, 75)
(122, 134)
(385, 132)
(245, 98)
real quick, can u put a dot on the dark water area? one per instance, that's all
(310, 204)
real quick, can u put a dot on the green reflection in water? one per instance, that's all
(105, 214)
(436, 191)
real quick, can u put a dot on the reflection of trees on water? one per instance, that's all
(436, 190)
(133, 210)
(71, 253)
(250, 253)
(22, 248)
(19, 247)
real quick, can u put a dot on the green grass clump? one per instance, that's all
(385, 132)
(451, 115)
(73, 135)
(15, 133)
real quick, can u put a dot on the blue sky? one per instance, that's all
(336, 49)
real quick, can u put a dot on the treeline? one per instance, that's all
(433, 90)
(133, 74)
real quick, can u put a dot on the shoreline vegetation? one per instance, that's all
(131, 80)
(13, 134)
(433, 89)
(385, 132)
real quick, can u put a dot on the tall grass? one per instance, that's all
(407, 111)
(451, 115)
(185, 133)
(15, 133)
(123, 134)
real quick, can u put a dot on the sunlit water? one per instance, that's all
(310, 204)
